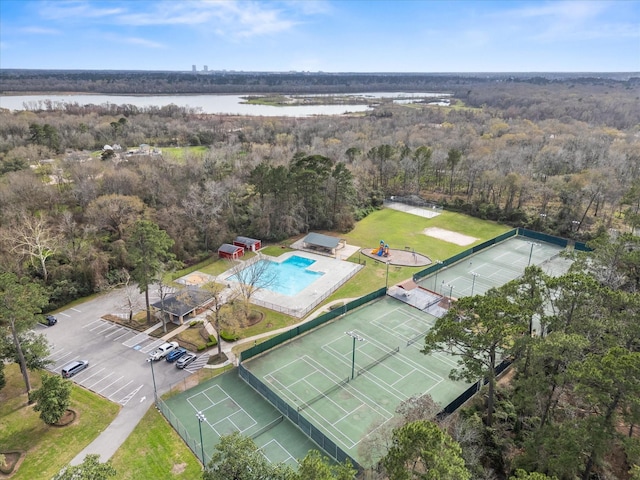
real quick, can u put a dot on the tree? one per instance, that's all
(52, 398)
(218, 299)
(238, 458)
(148, 248)
(522, 475)
(609, 383)
(478, 330)
(420, 450)
(453, 159)
(114, 213)
(252, 276)
(89, 469)
(315, 466)
(31, 237)
(20, 302)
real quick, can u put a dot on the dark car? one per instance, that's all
(186, 359)
(175, 354)
(50, 320)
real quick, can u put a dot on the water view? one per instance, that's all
(210, 104)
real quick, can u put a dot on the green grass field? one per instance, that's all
(155, 450)
(48, 448)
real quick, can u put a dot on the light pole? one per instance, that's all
(435, 281)
(201, 418)
(153, 377)
(576, 223)
(386, 283)
(473, 283)
(533, 244)
(450, 291)
(355, 337)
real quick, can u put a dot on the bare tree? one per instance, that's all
(220, 295)
(252, 276)
(164, 291)
(33, 238)
(130, 294)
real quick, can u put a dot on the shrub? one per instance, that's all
(228, 336)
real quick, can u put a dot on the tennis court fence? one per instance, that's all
(324, 442)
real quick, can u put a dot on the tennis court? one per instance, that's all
(495, 266)
(228, 404)
(349, 376)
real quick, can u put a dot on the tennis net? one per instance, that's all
(379, 360)
(267, 427)
(324, 394)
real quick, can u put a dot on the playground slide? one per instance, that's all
(377, 251)
(380, 251)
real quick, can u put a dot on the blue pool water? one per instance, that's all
(289, 277)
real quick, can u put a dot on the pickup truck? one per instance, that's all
(162, 351)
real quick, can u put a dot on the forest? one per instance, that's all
(560, 156)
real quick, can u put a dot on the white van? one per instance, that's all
(74, 367)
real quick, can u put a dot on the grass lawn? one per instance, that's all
(179, 153)
(48, 448)
(400, 230)
(154, 450)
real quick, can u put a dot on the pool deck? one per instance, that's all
(335, 273)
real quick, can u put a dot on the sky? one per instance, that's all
(425, 36)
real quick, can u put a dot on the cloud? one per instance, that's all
(227, 17)
(564, 20)
(76, 10)
(40, 31)
(142, 42)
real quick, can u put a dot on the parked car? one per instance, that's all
(174, 355)
(50, 320)
(162, 351)
(74, 367)
(186, 359)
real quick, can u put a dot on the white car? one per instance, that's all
(162, 351)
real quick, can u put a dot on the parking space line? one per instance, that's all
(117, 339)
(64, 314)
(105, 328)
(115, 331)
(99, 391)
(110, 396)
(75, 310)
(136, 340)
(103, 378)
(95, 321)
(151, 346)
(62, 358)
(96, 373)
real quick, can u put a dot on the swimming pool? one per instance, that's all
(290, 277)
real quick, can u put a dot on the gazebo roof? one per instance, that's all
(321, 240)
(184, 301)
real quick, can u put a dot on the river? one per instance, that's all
(211, 104)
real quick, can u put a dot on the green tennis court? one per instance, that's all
(494, 267)
(228, 404)
(347, 392)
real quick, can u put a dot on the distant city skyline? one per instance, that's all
(322, 35)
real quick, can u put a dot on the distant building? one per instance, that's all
(193, 68)
(206, 68)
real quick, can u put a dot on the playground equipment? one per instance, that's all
(382, 250)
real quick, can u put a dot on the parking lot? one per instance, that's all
(117, 355)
